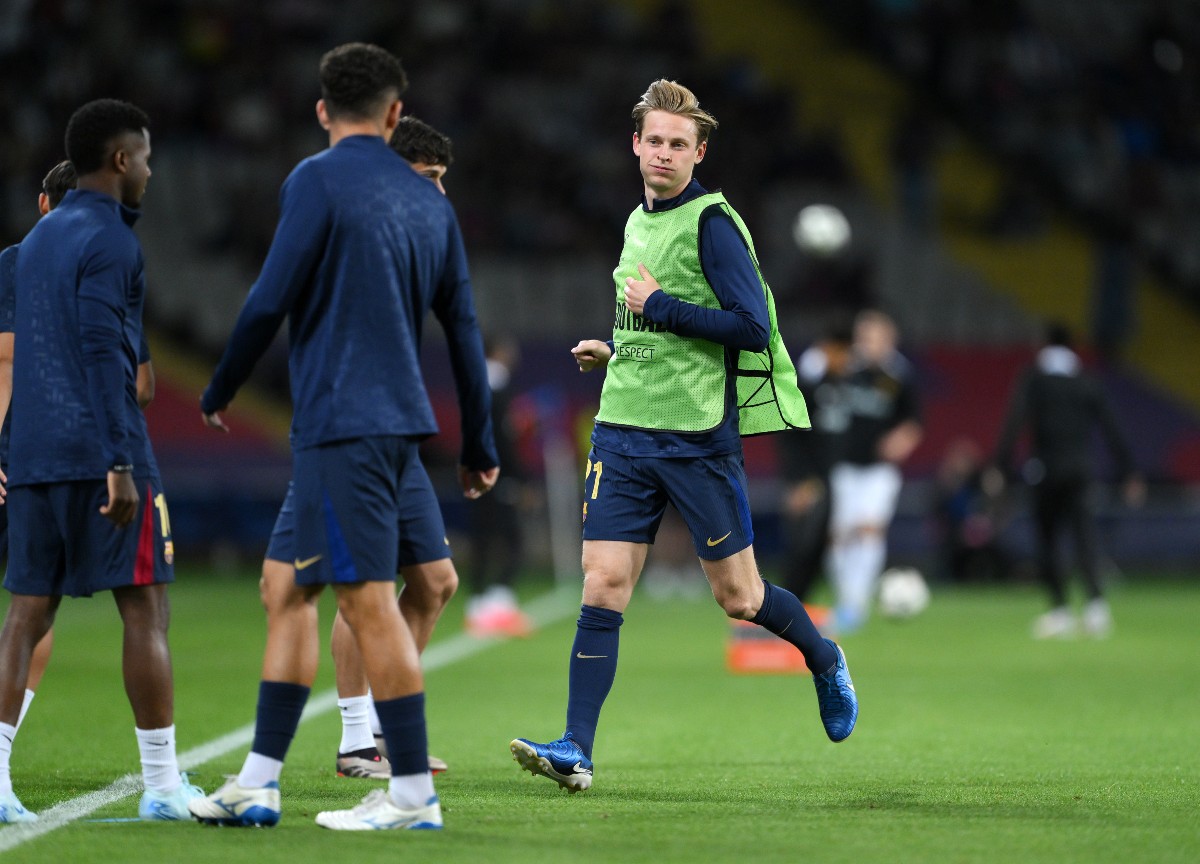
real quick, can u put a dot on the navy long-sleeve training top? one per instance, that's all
(365, 247)
(77, 328)
(741, 324)
(8, 311)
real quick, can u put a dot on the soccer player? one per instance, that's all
(695, 362)
(57, 182)
(86, 507)
(364, 248)
(426, 568)
(884, 429)
(1062, 405)
(428, 151)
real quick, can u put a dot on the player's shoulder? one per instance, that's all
(307, 170)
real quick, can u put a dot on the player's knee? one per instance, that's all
(144, 607)
(738, 605)
(29, 621)
(444, 585)
(276, 584)
(602, 583)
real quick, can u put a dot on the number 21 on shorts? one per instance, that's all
(598, 469)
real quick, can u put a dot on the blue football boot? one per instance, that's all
(836, 698)
(562, 761)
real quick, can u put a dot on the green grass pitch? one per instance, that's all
(974, 742)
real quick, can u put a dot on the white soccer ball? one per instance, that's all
(821, 230)
(902, 593)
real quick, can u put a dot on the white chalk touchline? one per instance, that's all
(546, 609)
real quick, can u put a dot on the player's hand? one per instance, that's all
(898, 444)
(803, 496)
(122, 499)
(476, 484)
(637, 291)
(214, 421)
(591, 353)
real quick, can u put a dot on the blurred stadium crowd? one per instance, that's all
(1088, 103)
(1098, 101)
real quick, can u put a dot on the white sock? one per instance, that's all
(839, 565)
(24, 707)
(160, 769)
(356, 724)
(411, 790)
(258, 770)
(376, 726)
(862, 562)
(7, 734)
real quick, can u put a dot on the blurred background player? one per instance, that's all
(884, 429)
(357, 229)
(1062, 406)
(428, 151)
(696, 361)
(56, 184)
(428, 573)
(497, 538)
(80, 289)
(806, 458)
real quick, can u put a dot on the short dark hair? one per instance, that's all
(357, 79)
(92, 128)
(59, 182)
(417, 141)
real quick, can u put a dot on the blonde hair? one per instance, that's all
(674, 98)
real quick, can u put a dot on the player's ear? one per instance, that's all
(120, 160)
(393, 118)
(700, 151)
(43, 203)
(322, 114)
(637, 145)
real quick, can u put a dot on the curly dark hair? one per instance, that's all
(58, 182)
(92, 128)
(357, 79)
(417, 141)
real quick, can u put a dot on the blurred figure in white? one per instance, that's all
(884, 429)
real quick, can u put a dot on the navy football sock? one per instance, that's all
(593, 669)
(279, 707)
(784, 615)
(403, 723)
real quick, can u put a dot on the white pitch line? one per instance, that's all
(546, 609)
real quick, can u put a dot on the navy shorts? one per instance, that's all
(625, 498)
(346, 505)
(421, 527)
(61, 545)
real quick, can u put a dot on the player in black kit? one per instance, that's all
(1062, 405)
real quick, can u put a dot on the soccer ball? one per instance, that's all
(902, 593)
(821, 230)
